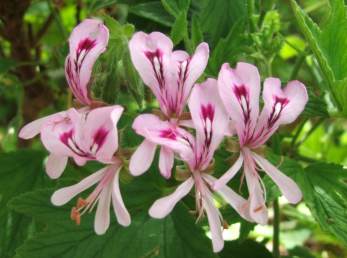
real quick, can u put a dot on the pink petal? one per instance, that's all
(232, 198)
(257, 207)
(239, 89)
(99, 132)
(119, 208)
(87, 41)
(166, 162)
(142, 158)
(55, 165)
(282, 106)
(163, 206)
(154, 72)
(164, 133)
(209, 116)
(287, 186)
(227, 176)
(102, 215)
(32, 129)
(64, 195)
(214, 222)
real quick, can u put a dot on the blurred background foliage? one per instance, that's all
(304, 40)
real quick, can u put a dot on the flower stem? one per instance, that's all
(276, 230)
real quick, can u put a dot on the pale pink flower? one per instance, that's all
(87, 41)
(210, 121)
(239, 89)
(170, 75)
(106, 191)
(80, 134)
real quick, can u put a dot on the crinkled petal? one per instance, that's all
(163, 206)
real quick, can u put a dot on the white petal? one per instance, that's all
(119, 208)
(223, 180)
(163, 206)
(102, 216)
(214, 221)
(166, 162)
(287, 186)
(64, 195)
(55, 165)
(142, 158)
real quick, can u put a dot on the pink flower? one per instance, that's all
(210, 121)
(80, 134)
(106, 191)
(170, 75)
(87, 41)
(239, 89)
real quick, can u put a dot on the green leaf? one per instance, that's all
(20, 171)
(325, 193)
(152, 11)
(175, 7)
(179, 29)
(6, 65)
(217, 17)
(248, 248)
(228, 49)
(329, 44)
(172, 237)
(196, 32)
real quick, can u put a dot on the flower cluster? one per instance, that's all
(218, 108)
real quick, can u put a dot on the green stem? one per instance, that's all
(299, 61)
(314, 127)
(297, 133)
(276, 230)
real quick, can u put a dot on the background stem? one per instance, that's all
(276, 230)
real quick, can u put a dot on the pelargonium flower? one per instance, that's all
(87, 41)
(80, 134)
(210, 121)
(170, 75)
(106, 191)
(239, 89)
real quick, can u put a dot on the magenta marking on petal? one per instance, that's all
(100, 137)
(207, 112)
(64, 137)
(168, 134)
(86, 44)
(277, 108)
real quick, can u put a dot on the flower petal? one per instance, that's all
(164, 133)
(227, 176)
(64, 195)
(99, 133)
(142, 158)
(102, 215)
(232, 198)
(55, 165)
(209, 117)
(163, 206)
(32, 129)
(87, 41)
(214, 222)
(166, 162)
(119, 208)
(150, 54)
(282, 106)
(257, 207)
(239, 89)
(287, 186)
